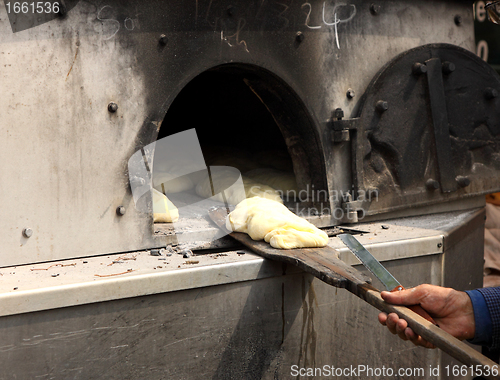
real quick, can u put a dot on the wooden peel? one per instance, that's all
(332, 271)
(335, 272)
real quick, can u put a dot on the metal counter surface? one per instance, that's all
(59, 284)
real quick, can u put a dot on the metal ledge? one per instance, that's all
(51, 285)
(67, 283)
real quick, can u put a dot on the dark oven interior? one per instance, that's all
(247, 118)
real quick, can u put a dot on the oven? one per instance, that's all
(379, 111)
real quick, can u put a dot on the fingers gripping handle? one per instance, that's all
(420, 311)
(440, 338)
(416, 308)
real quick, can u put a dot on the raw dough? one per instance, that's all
(233, 191)
(282, 181)
(240, 163)
(277, 159)
(238, 158)
(167, 184)
(269, 220)
(164, 211)
(171, 177)
(198, 176)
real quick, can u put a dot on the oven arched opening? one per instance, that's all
(243, 108)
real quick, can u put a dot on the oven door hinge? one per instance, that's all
(340, 127)
(353, 210)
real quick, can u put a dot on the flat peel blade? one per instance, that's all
(370, 262)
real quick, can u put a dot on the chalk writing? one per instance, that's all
(128, 24)
(114, 22)
(309, 15)
(334, 11)
(336, 20)
(115, 25)
(236, 36)
(281, 15)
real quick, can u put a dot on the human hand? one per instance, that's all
(452, 310)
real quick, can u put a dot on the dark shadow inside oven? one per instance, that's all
(226, 114)
(248, 118)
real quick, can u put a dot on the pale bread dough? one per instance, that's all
(238, 158)
(164, 211)
(241, 163)
(170, 184)
(171, 177)
(269, 220)
(277, 159)
(234, 194)
(198, 176)
(282, 181)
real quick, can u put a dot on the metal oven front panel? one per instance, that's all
(65, 145)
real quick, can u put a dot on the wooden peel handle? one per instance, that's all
(429, 331)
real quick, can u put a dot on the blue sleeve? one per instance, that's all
(482, 319)
(492, 299)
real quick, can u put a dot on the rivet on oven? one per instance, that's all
(419, 68)
(299, 37)
(440, 245)
(27, 232)
(350, 93)
(448, 67)
(458, 19)
(382, 106)
(338, 114)
(462, 181)
(432, 184)
(163, 39)
(112, 107)
(120, 210)
(374, 9)
(491, 93)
